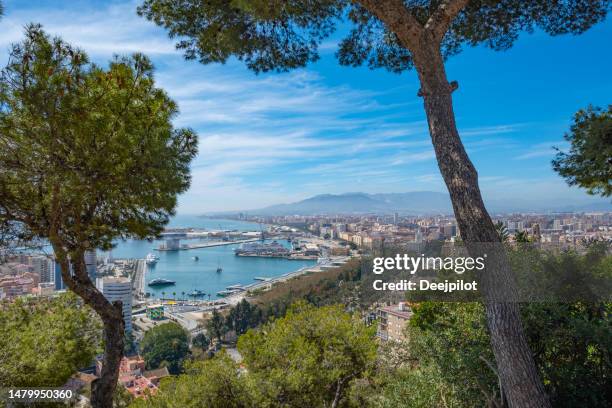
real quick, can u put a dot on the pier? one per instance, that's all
(205, 245)
(138, 279)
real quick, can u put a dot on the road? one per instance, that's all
(138, 281)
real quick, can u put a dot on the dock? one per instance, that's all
(208, 244)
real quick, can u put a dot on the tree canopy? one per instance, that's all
(215, 326)
(87, 155)
(166, 345)
(283, 35)
(309, 357)
(588, 163)
(87, 149)
(45, 340)
(212, 383)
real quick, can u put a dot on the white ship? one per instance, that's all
(151, 259)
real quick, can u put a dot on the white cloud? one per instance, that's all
(269, 138)
(101, 31)
(546, 149)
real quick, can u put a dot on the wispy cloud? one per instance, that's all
(539, 150)
(101, 31)
(491, 130)
(277, 137)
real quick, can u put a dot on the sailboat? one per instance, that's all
(219, 268)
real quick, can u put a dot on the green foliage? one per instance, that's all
(166, 345)
(242, 317)
(451, 342)
(306, 359)
(564, 277)
(215, 326)
(213, 383)
(45, 340)
(122, 398)
(87, 152)
(449, 361)
(502, 231)
(572, 346)
(521, 237)
(571, 341)
(588, 163)
(283, 35)
(309, 357)
(266, 35)
(201, 341)
(419, 387)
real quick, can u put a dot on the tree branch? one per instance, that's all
(397, 18)
(439, 22)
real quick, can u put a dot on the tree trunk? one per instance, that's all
(517, 370)
(103, 389)
(77, 280)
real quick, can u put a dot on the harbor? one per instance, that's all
(215, 272)
(189, 312)
(206, 270)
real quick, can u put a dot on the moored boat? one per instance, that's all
(161, 282)
(151, 259)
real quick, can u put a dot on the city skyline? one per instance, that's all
(279, 138)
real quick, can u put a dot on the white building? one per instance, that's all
(326, 231)
(119, 289)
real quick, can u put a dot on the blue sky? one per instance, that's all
(277, 138)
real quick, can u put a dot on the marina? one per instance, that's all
(215, 269)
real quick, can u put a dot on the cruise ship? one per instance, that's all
(161, 282)
(272, 250)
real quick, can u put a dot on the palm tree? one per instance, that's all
(163, 295)
(183, 294)
(174, 295)
(502, 231)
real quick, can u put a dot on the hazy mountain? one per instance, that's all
(414, 203)
(418, 202)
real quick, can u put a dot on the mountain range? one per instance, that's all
(410, 203)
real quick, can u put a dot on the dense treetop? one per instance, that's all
(45, 340)
(87, 151)
(588, 163)
(166, 345)
(282, 35)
